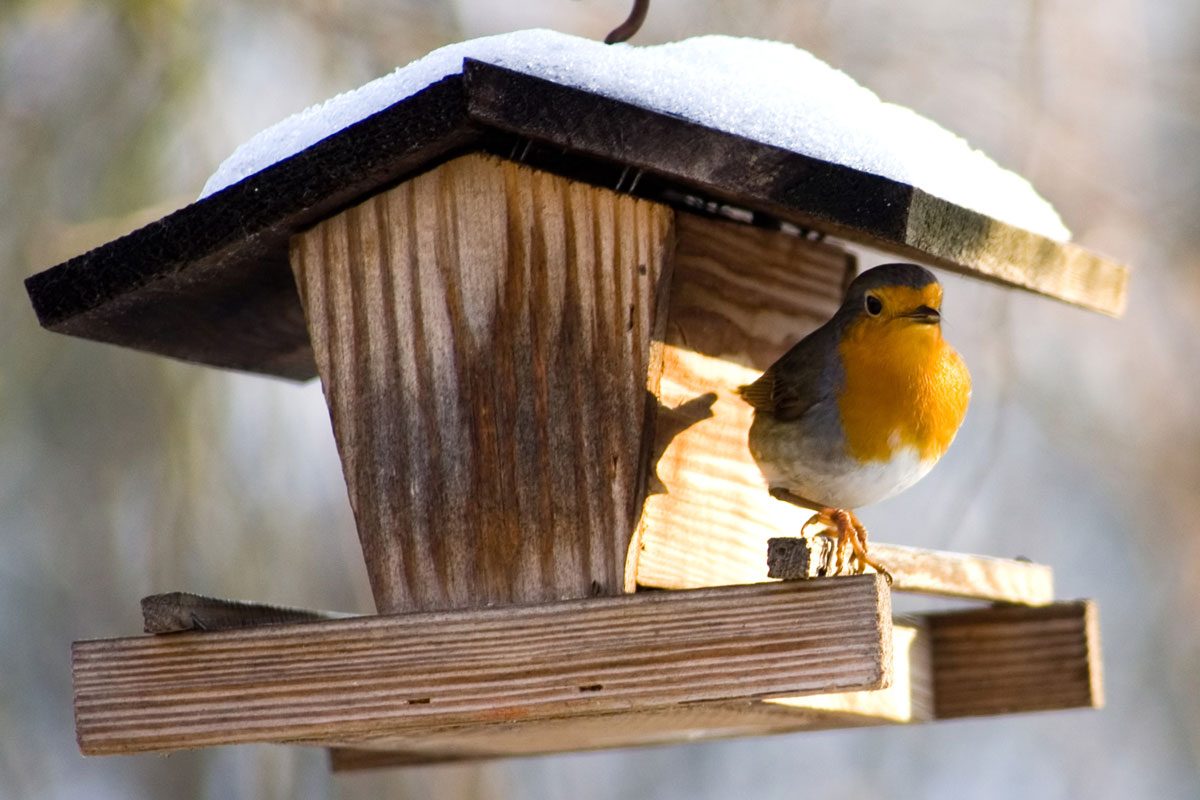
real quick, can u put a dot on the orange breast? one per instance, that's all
(905, 387)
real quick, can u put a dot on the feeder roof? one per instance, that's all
(210, 283)
(770, 92)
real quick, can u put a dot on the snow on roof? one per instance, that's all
(771, 92)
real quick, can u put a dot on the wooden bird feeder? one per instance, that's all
(528, 324)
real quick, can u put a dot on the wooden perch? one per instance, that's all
(370, 678)
(438, 688)
(923, 571)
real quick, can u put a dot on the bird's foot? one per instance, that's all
(845, 527)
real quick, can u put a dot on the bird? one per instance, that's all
(861, 408)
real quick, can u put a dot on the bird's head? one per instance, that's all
(893, 297)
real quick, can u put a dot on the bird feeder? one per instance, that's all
(529, 305)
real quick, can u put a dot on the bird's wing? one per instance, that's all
(793, 384)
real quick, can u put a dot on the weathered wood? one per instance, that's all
(1011, 659)
(376, 678)
(882, 213)
(908, 699)
(926, 571)
(991, 661)
(182, 611)
(943, 234)
(739, 298)
(210, 283)
(483, 334)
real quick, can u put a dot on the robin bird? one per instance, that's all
(863, 407)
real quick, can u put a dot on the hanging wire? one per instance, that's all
(631, 25)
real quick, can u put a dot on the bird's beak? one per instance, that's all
(925, 315)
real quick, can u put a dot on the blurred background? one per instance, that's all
(123, 474)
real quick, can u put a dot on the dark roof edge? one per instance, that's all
(300, 190)
(210, 283)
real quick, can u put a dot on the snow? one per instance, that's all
(771, 92)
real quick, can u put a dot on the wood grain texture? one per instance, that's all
(908, 699)
(913, 569)
(1010, 659)
(947, 665)
(483, 334)
(373, 678)
(740, 296)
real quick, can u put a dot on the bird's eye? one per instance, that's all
(874, 305)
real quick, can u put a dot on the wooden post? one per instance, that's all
(484, 336)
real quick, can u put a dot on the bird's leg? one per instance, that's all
(834, 520)
(859, 542)
(849, 532)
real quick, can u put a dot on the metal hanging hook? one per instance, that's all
(631, 25)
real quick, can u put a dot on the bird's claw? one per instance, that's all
(847, 530)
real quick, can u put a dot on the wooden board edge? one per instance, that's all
(884, 214)
(1013, 659)
(919, 571)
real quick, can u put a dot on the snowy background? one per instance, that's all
(123, 474)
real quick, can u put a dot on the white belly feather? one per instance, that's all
(853, 485)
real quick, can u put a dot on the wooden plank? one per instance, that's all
(483, 334)
(740, 297)
(907, 699)
(882, 213)
(947, 665)
(913, 569)
(173, 612)
(210, 283)
(1010, 659)
(372, 678)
